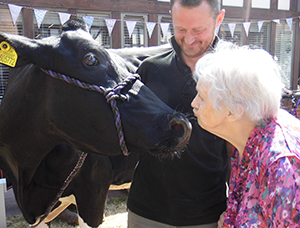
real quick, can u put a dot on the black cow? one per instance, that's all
(46, 122)
(91, 184)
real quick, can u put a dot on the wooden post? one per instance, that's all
(2, 203)
(153, 41)
(116, 33)
(247, 6)
(28, 22)
(296, 57)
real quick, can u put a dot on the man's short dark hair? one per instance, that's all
(214, 4)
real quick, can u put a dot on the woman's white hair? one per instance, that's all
(245, 81)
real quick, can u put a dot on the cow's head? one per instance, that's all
(80, 117)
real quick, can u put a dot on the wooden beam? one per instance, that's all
(274, 5)
(294, 4)
(247, 7)
(296, 56)
(153, 40)
(73, 12)
(2, 203)
(259, 14)
(272, 38)
(28, 22)
(116, 32)
(133, 6)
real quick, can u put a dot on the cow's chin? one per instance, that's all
(166, 154)
(172, 147)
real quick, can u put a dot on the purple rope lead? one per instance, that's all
(295, 109)
(119, 127)
(63, 188)
(110, 95)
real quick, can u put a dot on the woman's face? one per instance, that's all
(208, 118)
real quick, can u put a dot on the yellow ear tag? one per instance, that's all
(8, 55)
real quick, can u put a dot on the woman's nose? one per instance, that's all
(193, 104)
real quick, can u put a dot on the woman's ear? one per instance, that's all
(231, 117)
(238, 115)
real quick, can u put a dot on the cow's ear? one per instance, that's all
(21, 44)
(28, 50)
(8, 53)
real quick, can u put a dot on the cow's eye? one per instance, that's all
(91, 60)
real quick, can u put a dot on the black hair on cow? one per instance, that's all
(75, 24)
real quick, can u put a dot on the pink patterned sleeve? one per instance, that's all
(280, 193)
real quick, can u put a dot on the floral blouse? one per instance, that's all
(264, 188)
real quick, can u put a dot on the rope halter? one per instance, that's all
(110, 94)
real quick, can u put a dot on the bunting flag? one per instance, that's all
(110, 24)
(14, 12)
(63, 17)
(289, 21)
(150, 28)
(130, 27)
(260, 24)
(231, 28)
(88, 20)
(247, 27)
(164, 29)
(39, 16)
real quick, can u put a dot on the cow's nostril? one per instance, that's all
(178, 128)
(182, 129)
(177, 137)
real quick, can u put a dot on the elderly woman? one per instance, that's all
(239, 92)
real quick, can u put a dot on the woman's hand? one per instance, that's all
(221, 220)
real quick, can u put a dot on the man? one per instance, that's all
(189, 191)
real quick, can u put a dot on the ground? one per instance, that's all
(115, 212)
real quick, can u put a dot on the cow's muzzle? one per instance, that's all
(177, 137)
(182, 128)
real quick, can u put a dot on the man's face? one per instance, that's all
(194, 28)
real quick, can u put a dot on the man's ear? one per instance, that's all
(220, 17)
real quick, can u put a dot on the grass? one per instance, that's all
(115, 216)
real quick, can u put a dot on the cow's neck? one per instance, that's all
(21, 121)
